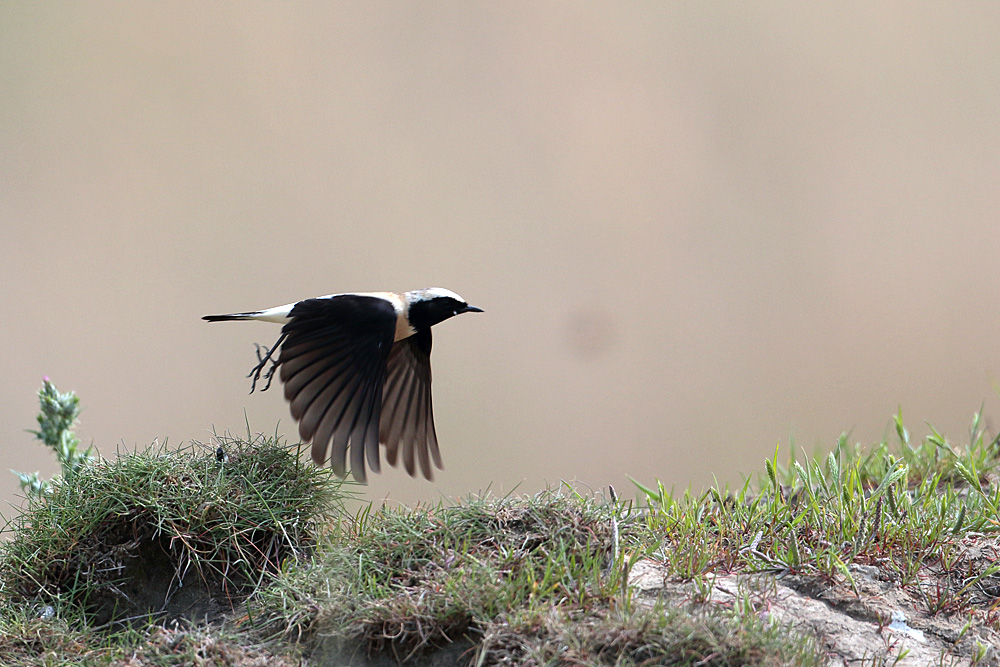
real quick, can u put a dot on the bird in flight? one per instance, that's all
(357, 373)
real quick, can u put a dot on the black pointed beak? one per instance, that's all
(472, 309)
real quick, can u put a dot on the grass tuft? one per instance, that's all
(913, 514)
(166, 534)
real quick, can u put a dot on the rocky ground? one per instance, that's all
(877, 623)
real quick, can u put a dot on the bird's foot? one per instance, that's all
(262, 360)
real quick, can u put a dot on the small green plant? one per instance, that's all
(56, 419)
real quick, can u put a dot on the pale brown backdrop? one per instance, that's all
(697, 229)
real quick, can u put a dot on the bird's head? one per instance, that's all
(426, 307)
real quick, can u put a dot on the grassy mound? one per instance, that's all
(516, 580)
(165, 535)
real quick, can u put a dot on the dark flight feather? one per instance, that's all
(332, 365)
(407, 426)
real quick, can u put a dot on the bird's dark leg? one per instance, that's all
(262, 361)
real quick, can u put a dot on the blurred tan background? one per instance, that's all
(697, 229)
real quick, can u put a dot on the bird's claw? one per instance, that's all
(262, 360)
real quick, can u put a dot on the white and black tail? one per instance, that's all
(277, 314)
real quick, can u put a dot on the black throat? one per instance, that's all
(425, 314)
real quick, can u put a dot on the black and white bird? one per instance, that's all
(357, 373)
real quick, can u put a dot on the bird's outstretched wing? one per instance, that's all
(333, 366)
(407, 418)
